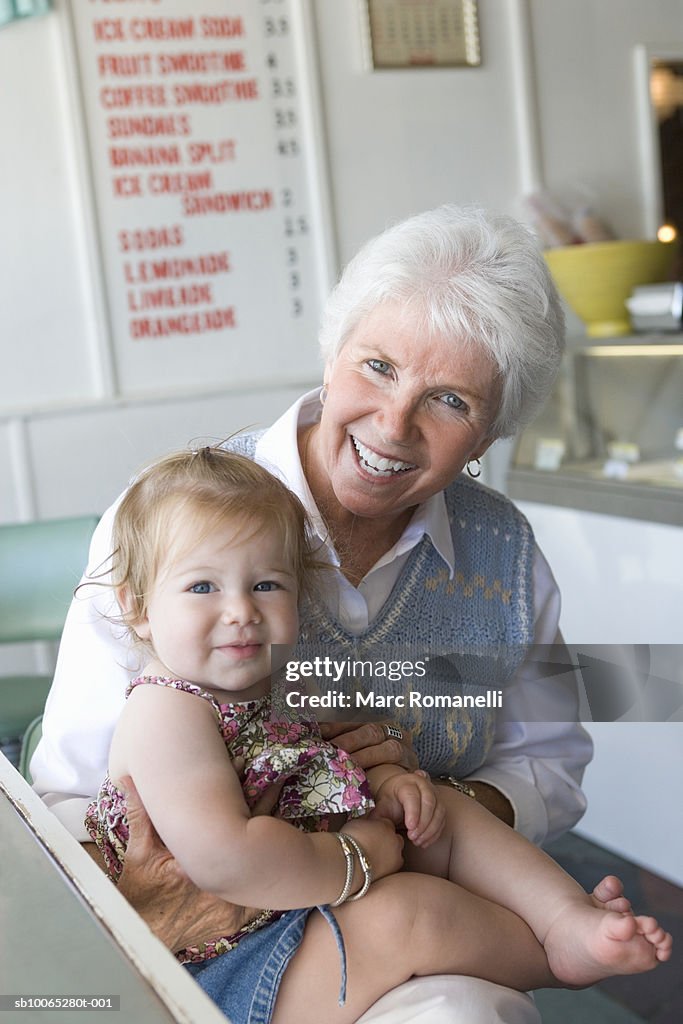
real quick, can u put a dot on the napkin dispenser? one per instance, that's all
(657, 307)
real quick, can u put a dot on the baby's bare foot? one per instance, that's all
(585, 945)
(608, 894)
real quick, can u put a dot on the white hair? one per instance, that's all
(466, 274)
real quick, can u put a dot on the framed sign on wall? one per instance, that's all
(421, 33)
(209, 188)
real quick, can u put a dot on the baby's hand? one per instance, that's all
(381, 843)
(411, 800)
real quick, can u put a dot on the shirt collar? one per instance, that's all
(430, 518)
(278, 451)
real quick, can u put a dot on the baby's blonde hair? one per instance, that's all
(181, 498)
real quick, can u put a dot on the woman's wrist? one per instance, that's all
(94, 852)
(485, 794)
(494, 801)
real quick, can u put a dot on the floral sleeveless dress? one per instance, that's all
(321, 780)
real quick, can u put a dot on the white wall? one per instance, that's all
(397, 141)
(402, 141)
(620, 581)
(44, 307)
(584, 58)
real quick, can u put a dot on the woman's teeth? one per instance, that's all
(374, 463)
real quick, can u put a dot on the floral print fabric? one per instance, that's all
(321, 780)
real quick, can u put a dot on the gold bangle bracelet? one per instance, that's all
(348, 880)
(461, 787)
(366, 867)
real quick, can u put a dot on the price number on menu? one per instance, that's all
(284, 100)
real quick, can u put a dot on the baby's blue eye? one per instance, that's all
(266, 586)
(203, 587)
(379, 365)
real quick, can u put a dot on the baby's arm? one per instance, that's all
(168, 742)
(410, 800)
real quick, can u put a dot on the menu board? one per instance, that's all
(203, 176)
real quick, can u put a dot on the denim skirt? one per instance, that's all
(244, 982)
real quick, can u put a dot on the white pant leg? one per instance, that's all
(447, 999)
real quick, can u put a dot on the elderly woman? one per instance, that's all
(443, 334)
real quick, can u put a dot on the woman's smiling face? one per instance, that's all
(402, 416)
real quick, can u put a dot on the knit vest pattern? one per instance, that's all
(469, 633)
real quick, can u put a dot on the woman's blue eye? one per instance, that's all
(452, 401)
(379, 365)
(267, 586)
(204, 587)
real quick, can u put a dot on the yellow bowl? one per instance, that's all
(595, 279)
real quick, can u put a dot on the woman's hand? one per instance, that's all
(371, 744)
(178, 913)
(380, 842)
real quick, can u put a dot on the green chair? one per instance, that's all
(40, 564)
(30, 741)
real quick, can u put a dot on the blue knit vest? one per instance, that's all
(470, 632)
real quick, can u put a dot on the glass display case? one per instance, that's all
(610, 439)
(599, 476)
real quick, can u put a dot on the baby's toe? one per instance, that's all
(620, 927)
(609, 888)
(664, 948)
